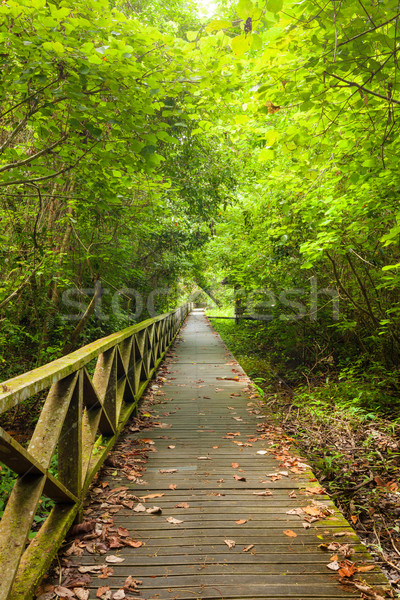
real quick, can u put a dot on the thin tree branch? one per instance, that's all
(20, 288)
(26, 161)
(46, 177)
(361, 87)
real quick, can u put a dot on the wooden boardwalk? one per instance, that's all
(227, 481)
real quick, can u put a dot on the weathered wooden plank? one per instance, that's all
(191, 559)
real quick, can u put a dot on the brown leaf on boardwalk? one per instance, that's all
(114, 559)
(239, 478)
(230, 543)
(131, 583)
(173, 520)
(365, 568)
(241, 521)
(114, 542)
(368, 591)
(235, 465)
(91, 569)
(74, 549)
(132, 543)
(172, 486)
(139, 508)
(105, 572)
(347, 569)
(290, 533)
(103, 592)
(81, 593)
(167, 470)
(247, 548)
(182, 505)
(151, 496)
(82, 528)
(333, 565)
(171, 447)
(64, 592)
(263, 493)
(154, 510)
(119, 595)
(316, 490)
(123, 532)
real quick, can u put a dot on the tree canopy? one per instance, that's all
(142, 145)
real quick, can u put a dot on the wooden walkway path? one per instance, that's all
(215, 471)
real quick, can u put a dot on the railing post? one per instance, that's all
(70, 443)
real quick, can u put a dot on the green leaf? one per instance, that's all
(240, 44)
(191, 35)
(245, 9)
(266, 154)
(274, 5)
(218, 24)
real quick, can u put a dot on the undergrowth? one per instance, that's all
(345, 417)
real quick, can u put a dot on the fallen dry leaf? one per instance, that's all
(365, 568)
(119, 595)
(151, 496)
(182, 505)
(230, 543)
(347, 569)
(203, 458)
(154, 510)
(247, 548)
(262, 452)
(64, 592)
(167, 470)
(333, 566)
(81, 593)
(172, 486)
(171, 447)
(132, 543)
(131, 583)
(173, 520)
(241, 521)
(313, 511)
(103, 592)
(139, 508)
(235, 465)
(316, 490)
(263, 493)
(105, 572)
(123, 532)
(367, 590)
(290, 533)
(114, 559)
(239, 478)
(92, 569)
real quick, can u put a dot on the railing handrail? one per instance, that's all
(23, 386)
(79, 410)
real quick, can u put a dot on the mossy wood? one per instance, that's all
(81, 420)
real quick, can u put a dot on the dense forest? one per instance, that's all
(249, 159)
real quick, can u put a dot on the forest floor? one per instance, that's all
(355, 453)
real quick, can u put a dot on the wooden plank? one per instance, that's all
(190, 559)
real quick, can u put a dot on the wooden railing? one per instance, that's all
(78, 410)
